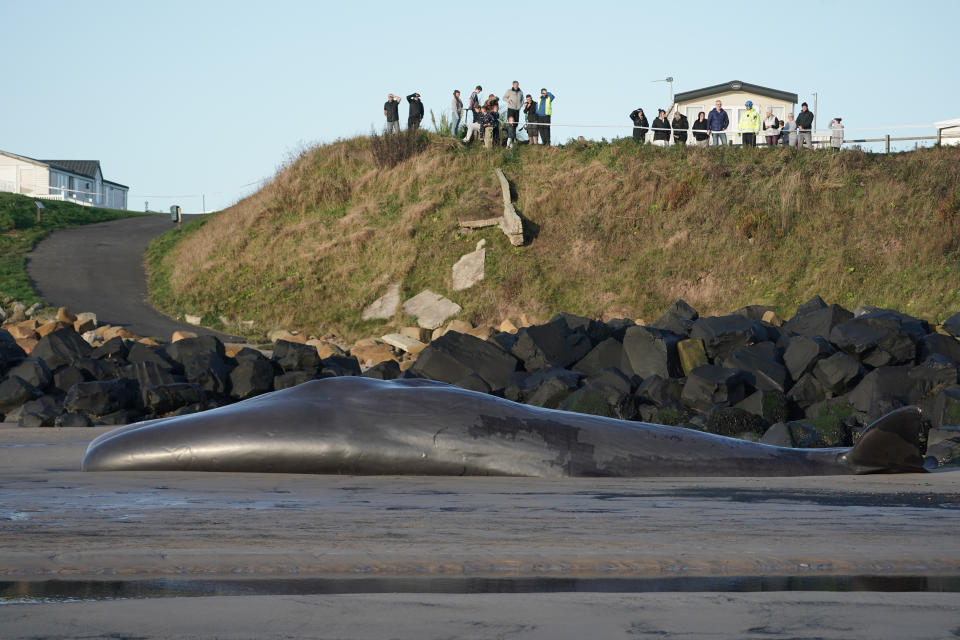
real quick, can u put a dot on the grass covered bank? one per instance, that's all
(20, 232)
(617, 229)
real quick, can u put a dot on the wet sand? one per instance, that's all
(57, 523)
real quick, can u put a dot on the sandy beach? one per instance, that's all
(60, 524)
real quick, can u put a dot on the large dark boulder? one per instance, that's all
(503, 340)
(652, 352)
(881, 337)
(678, 318)
(771, 405)
(709, 386)
(473, 382)
(340, 366)
(33, 370)
(523, 383)
(943, 444)
(41, 412)
(386, 370)
(760, 366)
(149, 373)
(838, 372)
(251, 377)
(99, 369)
(944, 408)
(15, 391)
(61, 348)
(722, 335)
(185, 350)
(605, 393)
(454, 356)
(935, 371)
(66, 377)
(140, 352)
(807, 391)
(102, 398)
(660, 392)
(10, 352)
(883, 390)
(618, 327)
(164, 398)
(293, 356)
(938, 344)
(803, 352)
(608, 353)
(550, 345)
(211, 371)
(552, 390)
(816, 318)
(112, 349)
(952, 325)
(595, 330)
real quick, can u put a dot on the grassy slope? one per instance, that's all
(620, 230)
(20, 232)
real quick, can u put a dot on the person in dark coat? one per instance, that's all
(416, 111)
(661, 129)
(805, 126)
(640, 125)
(530, 111)
(680, 126)
(701, 132)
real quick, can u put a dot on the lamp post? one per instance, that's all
(815, 110)
(668, 79)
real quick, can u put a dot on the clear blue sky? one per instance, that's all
(182, 98)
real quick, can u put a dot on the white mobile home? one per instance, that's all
(733, 95)
(79, 181)
(949, 131)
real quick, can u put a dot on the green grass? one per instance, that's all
(20, 232)
(622, 230)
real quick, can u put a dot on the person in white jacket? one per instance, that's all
(836, 134)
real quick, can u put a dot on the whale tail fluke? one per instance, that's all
(895, 443)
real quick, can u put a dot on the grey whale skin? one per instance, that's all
(354, 425)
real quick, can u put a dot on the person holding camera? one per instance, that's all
(415, 114)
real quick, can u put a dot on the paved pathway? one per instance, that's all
(99, 268)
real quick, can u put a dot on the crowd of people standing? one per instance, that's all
(481, 119)
(711, 129)
(480, 116)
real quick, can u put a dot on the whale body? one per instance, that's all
(355, 425)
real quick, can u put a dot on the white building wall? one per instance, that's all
(114, 197)
(20, 176)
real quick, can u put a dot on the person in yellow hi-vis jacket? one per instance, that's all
(749, 125)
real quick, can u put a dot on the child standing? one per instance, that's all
(511, 131)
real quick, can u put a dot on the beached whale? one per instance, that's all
(354, 425)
